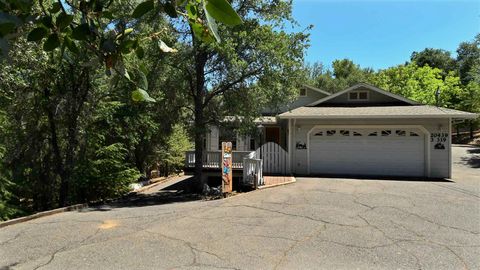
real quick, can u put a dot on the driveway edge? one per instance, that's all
(43, 214)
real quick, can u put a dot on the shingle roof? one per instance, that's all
(416, 111)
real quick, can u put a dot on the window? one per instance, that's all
(413, 134)
(400, 132)
(345, 132)
(386, 132)
(358, 95)
(331, 132)
(373, 133)
(320, 133)
(362, 95)
(356, 133)
(303, 92)
(227, 135)
(252, 144)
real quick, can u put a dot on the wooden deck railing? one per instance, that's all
(246, 160)
(212, 159)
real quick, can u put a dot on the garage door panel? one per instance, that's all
(390, 155)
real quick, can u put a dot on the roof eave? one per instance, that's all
(455, 116)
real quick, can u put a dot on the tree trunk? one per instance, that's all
(59, 165)
(199, 92)
(199, 134)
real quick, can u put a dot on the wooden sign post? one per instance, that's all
(226, 167)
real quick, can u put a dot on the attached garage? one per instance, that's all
(367, 131)
(375, 151)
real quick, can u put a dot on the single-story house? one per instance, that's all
(360, 131)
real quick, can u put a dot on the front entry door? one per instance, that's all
(272, 134)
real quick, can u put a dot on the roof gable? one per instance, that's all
(311, 95)
(317, 90)
(379, 94)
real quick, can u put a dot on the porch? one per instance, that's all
(250, 167)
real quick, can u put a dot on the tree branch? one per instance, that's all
(226, 87)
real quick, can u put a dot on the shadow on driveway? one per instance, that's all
(472, 160)
(176, 192)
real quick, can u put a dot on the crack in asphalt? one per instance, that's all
(393, 240)
(293, 215)
(52, 257)
(194, 250)
(428, 220)
(12, 239)
(296, 244)
(457, 189)
(372, 208)
(270, 237)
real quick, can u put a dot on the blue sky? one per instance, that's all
(380, 34)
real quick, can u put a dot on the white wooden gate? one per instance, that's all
(274, 158)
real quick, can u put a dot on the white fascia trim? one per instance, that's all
(368, 86)
(420, 127)
(377, 116)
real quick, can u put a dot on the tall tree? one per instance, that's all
(420, 84)
(435, 58)
(254, 57)
(468, 59)
(470, 101)
(345, 73)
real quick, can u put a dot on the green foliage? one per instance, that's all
(435, 58)
(345, 73)
(100, 28)
(468, 59)
(142, 9)
(170, 156)
(221, 11)
(67, 122)
(141, 95)
(7, 210)
(470, 98)
(419, 83)
(104, 174)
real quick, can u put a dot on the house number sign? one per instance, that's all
(226, 167)
(439, 139)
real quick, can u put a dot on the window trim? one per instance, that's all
(304, 93)
(358, 95)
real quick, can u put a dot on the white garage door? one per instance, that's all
(357, 151)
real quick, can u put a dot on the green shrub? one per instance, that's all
(105, 175)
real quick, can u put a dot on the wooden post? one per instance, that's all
(227, 167)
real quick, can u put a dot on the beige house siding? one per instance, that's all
(212, 138)
(439, 159)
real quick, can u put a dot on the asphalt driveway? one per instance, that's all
(312, 224)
